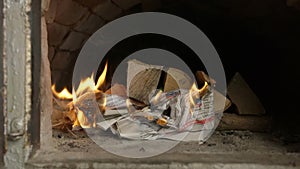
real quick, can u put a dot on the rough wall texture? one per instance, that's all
(71, 22)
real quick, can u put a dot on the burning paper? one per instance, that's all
(166, 115)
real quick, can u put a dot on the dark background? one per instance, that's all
(261, 40)
(258, 39)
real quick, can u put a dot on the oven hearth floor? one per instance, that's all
(220, 141)
(229, 149)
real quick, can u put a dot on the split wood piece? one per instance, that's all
(142, 79)
(240, 122)
(243, 97)
(177, 79)
(201, 77)
(221, 103)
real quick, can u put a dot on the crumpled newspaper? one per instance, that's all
(177, 115)
(174, 115)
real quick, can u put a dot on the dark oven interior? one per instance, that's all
(254, 38)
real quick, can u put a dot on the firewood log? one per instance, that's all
(201, 77)
(218, 100)
(177, 79)
(243, 97)
(142, 79)
(242, 122)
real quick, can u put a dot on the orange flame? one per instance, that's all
(195, 92)
(64, 94)
(156, 97)
(101, 79)
(89, 84)
(82, 120)
(85, 85)
(102, 104)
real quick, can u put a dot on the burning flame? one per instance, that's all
(156, 97)
(102, 77)
(196, 93)
(102, 104)
(64, 94)
(85, 85)
(83, 121)
(89, 85)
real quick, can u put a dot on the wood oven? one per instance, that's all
(41, 41)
